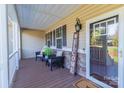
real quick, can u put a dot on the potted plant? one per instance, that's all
(48, 52)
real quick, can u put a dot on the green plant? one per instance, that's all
(48, 51)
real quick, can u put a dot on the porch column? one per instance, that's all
(3, 47)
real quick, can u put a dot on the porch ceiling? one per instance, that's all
(41, 16)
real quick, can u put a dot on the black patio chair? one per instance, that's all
(38, 55)
(56, 60)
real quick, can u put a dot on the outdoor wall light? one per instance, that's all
(78, 25)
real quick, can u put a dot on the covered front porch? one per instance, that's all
(26, 29)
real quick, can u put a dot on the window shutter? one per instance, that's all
(46, 39)
(50, 38)
(54, 38)
(64, 35)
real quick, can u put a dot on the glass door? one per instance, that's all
(104, 51)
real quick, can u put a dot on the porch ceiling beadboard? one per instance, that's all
(40, 16)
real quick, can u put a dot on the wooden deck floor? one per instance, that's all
(34, 74)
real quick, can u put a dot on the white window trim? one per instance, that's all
(120, 12)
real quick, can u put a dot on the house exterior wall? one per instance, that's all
(84, 13)
(32, 41)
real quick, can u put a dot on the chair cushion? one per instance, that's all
(59, 53)
(40, 55)
(49, 60)
(46, 57)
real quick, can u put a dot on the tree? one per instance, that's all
(95, 37)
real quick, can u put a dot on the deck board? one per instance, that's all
(34, 74)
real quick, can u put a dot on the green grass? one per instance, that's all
(114, 49)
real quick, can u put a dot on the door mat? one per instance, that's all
(85, 83)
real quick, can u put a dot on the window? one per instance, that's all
(61, 36)
(57, 37)
(48, 39)
(58, 32)
(10, 36)
(59, 43)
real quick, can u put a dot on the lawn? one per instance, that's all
(113, 52)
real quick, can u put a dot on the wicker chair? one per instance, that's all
(56, 60)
